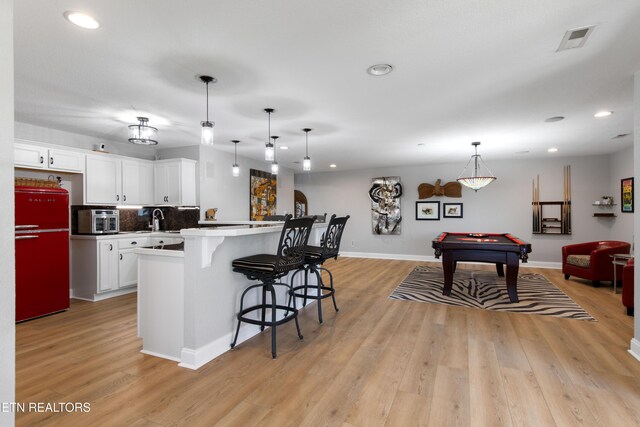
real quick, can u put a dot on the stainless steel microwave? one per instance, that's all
(98, 221)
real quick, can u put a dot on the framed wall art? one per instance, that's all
(626, 194)
(263, 189)
(386, 215)
(452, 210)
(427, 211)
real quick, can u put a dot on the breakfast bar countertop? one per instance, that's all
(234, 230)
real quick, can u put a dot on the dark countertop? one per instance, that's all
(172, 247)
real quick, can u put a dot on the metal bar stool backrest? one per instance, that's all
(332, 237)
(293, 241)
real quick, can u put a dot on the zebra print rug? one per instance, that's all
(484, 289)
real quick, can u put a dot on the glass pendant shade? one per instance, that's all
(306, 162)
(477, 179)
(207, 133)
(269, 152)
(274, 165)
(235, 169)
(142, 133)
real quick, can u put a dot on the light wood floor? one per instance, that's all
(377, 362)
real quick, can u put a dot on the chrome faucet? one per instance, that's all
(155, 221)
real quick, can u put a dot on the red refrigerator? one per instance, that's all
(42, 251)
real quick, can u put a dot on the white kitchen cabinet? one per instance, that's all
(175, 182)
(128, 260)
(104, 267)
(137, 182)
(128, 269)
(53, 159)
(112, 181)
(102, 180)
(108, 276)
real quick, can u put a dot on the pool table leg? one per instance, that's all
(448, 266)
(500, 269)
(513, 265)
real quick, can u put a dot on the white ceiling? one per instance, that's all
(464, 70)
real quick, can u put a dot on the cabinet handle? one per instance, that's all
(117, 197)
(110, 247)
(134, 243)
(41, 159)
(120, 257)
(30, 236)
(161, 242)
(124, 198)
(50, 160)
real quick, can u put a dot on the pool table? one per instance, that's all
(498, 249)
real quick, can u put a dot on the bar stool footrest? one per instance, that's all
(329, 293)
(288, 316)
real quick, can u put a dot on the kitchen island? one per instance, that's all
(198, 291)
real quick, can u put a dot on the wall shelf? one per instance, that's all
(604, 213)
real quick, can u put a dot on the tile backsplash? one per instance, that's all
(139, 219)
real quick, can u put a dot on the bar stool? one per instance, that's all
(268, 269)
(315, 256)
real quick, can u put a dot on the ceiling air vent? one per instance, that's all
(575, 38)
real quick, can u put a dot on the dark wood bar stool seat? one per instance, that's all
(268, 269)
(315, 256)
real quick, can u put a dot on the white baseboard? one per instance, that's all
(634, 349)
(164, 356)
(107, 295)
(431, 258)
(195, 358)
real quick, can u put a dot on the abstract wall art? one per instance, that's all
(263, 187)
(386, 215)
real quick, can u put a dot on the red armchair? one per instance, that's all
(591, 260)
(627, 287)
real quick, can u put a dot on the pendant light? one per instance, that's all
(306, 162)
(268, 147)
(274, 165)
(235, 169)
(206, 137)
(477, 180)
(142, 133)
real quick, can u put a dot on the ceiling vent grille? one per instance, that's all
(575, 38)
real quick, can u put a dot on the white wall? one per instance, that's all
(503, 206)
(7, 262)
(620, 167)
(122, 147)
(219, 189)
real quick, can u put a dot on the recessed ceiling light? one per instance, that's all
(552, 150)
(284, 147)
(81, 20)
(420, 144)
(554, 119)
(603, 113)
(379, 69)
(332, 165)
